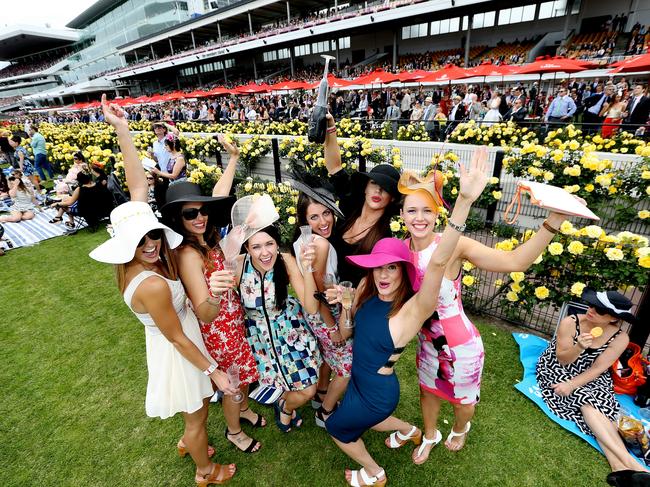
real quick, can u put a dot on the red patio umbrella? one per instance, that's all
(157, 98)
(409, 76)
(489, 69)
(290, 85)
(554, 65)
(175, 95)
(447, 74)
(377, 77)
(141, 100)
(251, 88)
(635, 63)
(197, 94)
(333, 82)
(219, 90)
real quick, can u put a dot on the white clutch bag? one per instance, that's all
(550, 197)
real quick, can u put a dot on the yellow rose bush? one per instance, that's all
(203, 174)
(251, 151)
(506, 134)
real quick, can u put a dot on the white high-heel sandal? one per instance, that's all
(367, 480)
(453, 434)
(398, 440)
(426, 442)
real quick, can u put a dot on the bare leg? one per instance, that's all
(231, 412)
(463, 413)
(430, 405)
(391, 423)
(195, 438)
(295, 399)
(245, 411)
(28, 215)
(14, 216)
(610, 441)
(337, 387)
(357, 451)
(324, 377)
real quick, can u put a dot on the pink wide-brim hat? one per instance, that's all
(387, 251)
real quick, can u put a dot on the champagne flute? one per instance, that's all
(233, 378)
(230, 266)
(306, 236)
(347, 296)
(329, 281)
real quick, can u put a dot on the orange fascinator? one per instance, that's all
(429, 187)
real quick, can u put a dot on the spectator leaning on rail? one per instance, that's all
(40, 153)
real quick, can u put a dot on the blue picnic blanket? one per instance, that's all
(31, 232)
(530, 349)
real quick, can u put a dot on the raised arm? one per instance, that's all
(224, 185)
(136, 179)
(425, 301)
(305, 286)
(331, 148)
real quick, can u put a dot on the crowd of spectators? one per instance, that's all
(26, 67)
(639, 40)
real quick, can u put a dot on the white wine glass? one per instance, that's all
(306, 236)
(347, 296)
(233, 378)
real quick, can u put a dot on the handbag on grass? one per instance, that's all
(550, 197)
(628, 377)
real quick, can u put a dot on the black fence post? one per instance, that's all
(217, 155)
(362, 160)
(496, 172)
(640, 331)
(276, 160)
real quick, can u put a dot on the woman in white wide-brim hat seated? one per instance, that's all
(178, 363)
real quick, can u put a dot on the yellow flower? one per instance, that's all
(567, 228)
(468, 280)
(613, 253)
(468, 266)
(643, 214)
(248, 187)
(593, 231)
(517, 276)
(497, 195)
(555, 248)
(291, 220)
(577, 288)
(548, 176)
(642, 251)
(589, 187)
(541, 292)
(494, 180)
(516, 287)
(645, 175)
(395, 226)
(576, 247)
(512, 296)
(498, 283)
(645, 261)
(538, 259)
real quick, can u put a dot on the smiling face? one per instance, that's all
(418, 216)
(197, 225)
(388, 280)
(263, 250)
(149, 252)
(376, 197)
(320, 218)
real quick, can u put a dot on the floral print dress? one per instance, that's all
(225, 336)
(286, 352)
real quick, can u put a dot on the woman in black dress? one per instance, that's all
(575, 383)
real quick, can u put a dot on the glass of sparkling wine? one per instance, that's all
(347, 295)
(233, 378)
(230, 266)
(306, 237)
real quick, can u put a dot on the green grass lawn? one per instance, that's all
(73, 380)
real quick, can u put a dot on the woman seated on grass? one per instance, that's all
(67, 204)
(179, 365)
(574, 379)
(24, 201)
(387, 315)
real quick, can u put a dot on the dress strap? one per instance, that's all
(612, 337)
(133, 285)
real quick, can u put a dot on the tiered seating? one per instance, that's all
(510, 53)
(590, 45)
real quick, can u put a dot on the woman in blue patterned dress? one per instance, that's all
(286, 352)
(24, 163)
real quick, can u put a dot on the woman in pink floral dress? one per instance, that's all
(218, 308)
(450, 351)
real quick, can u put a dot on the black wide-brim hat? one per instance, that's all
(186, 192)
(320, 195)
(614, 302)
(384, 175)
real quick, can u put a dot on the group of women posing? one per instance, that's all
(241, 313)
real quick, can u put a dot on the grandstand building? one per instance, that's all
(146, 46)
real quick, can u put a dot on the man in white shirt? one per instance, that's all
(638, 108)
(405, 104)
(427, 117)
(561, 109)
(591, 118)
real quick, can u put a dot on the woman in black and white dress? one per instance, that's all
(574, 379)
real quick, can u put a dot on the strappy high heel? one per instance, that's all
(398, 440)
(259, 422)
(279, 411)
(317, 400)
(183, 451)
(251, 448)
(419, 451)
(367, 479)
(212, 477)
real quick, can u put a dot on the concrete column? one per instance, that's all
(394, 50)
(470, 21)
(219, 31)
(254, 69)
(153, 54)
(336, 46)
(171, 46)
(291, 59)
(288, 12)
(137, 59)
(193, 40)
(567, 21)
(225, 75)
(250, 23)
(631, 15)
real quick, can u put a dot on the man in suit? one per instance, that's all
(517, 113)
(456, 114)
(293, 111)
(427, 117)
(393, 114)
(638, 108)
(591, 118)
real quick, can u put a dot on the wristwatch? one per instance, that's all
(210, 369)
(458, 228)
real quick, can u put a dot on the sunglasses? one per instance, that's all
(192, 213)
(155, 234)
(600, 310)
(150, 178)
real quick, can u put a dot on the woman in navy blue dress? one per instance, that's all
(387, 315)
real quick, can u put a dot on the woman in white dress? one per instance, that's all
(179, 366)
(493, 115)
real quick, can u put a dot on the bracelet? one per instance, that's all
(458, 228)
(210, 369)
(548, 227)
(214, 300)
(334, 328)
(331, 130)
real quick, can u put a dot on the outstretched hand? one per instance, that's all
(474, 180)
(114, 114)
(228, 145)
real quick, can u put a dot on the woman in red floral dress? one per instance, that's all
(220, 313)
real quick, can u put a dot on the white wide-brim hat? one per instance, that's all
(130, 222)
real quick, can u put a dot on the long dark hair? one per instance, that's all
(405, 291)
(173, 218)
(280, 275)
(378, 231)
(173, 142)
(301, 213)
